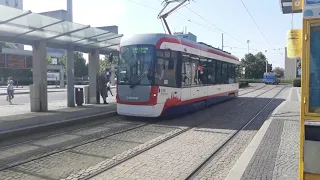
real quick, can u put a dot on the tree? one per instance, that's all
(106, 64)
(255, 65)
(279, 72)
(80, 67)
(6, 45)
(49, 59)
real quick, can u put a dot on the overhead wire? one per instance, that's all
(256, 24)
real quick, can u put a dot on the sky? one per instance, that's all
(207, 19)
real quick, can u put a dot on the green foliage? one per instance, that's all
(80, 66)
(243, 84)
(296, 82)
(49, 59)
(255, 65)
(6, 45)
(251, 80)
(279, 72)
(106, 64)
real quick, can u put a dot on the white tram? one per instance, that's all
(161, 74)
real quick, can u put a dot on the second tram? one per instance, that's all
(161, 74)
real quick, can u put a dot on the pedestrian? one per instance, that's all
(109, 88)
(10, 90)
(103, 88)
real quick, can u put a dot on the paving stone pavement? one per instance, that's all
(223, 162)
(278, 152)
(179, 156)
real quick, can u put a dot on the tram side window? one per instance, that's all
(224, 73)
(194, 71)
(218, 73)
(203, 71)
(186, 71)
(165, 72)
(211, 71)
(231, 73)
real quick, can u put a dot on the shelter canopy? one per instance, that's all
(25, 27)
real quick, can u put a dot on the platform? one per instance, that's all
(18, 116)
(274, 151)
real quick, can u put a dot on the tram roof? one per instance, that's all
(25, 27)
(286, 7)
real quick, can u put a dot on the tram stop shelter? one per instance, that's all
(40, 32)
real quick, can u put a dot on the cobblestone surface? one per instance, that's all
(74, 161)
(179, 156)
(16, 150)
(57, 144)
(277, 154)
(223, 162)
(59, 165)
(105, 147)
(14, 175)
(55, 140)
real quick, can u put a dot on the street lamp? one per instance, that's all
(266, 63)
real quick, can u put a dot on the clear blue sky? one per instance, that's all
(228, 16)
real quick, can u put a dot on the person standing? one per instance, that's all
(10, 90)
(103, 88)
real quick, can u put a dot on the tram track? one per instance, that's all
(185, 130)
(134, 127)
(208, 160)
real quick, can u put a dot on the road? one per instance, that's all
(25, 98)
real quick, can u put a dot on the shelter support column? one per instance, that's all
(93, 73)
(62, 77)
(38, 91)
(70, 78)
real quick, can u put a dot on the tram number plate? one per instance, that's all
(162, 90)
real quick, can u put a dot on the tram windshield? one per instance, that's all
(135, 65)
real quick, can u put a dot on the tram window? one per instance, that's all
(231, 73)
(203, 68)
(195, 71)
(224, 73)
(186, 71)
(164, 74)
(218, 73)
(211, 71)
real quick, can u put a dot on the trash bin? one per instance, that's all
(79, 96)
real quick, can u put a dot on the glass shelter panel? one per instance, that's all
(314, 81)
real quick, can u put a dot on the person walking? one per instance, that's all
(10, 90)
(109, 88)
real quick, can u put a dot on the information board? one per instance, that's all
(16, 61)
(2, 61)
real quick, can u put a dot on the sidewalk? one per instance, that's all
(274, 151)
(25, 89)
(17, 119)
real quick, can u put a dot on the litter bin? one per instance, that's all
(79, 96)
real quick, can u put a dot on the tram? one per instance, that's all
(161, 74)
(270, 78)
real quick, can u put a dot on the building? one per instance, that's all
(292, 68)
(188, 36)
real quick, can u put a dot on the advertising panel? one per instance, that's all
(294, 43)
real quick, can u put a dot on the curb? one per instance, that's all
(52, 125)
